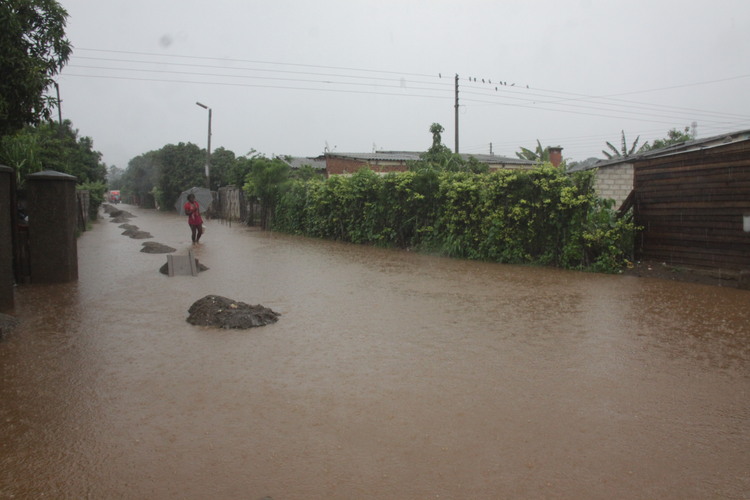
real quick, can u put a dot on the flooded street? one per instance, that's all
(388, 375)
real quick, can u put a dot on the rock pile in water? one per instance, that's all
(154, 247)
(214, 310)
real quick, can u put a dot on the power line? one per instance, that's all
(234, 68)
(274, 63)
(615, 102)
(364, 81)
(278, 87)
(534, 105)
(249, 77)
(651, 110)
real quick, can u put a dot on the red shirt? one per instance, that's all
(194, 214)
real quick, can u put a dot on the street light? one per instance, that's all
(208, 150)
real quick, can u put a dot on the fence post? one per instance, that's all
(7, 220)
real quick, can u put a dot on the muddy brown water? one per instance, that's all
(389, 375)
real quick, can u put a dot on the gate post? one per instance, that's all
(52, 227)
(7, 219)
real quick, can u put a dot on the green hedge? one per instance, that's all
(96, 196)
(541, 216)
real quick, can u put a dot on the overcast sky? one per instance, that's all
(296, 76)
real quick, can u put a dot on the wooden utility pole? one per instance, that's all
(59, 104)
(456, 113)
(59, 111)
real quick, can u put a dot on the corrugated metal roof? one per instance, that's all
(495, 159)
(415, 155)
(682, 147)
(380, 156)
(296, 162)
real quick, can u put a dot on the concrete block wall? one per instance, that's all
(615, 182)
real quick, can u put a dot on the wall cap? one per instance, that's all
(47, 175)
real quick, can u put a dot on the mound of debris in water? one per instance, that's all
(117, 215)
(154, 247)
(137, 234)
(214, 310)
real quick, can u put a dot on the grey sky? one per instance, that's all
(292, 76)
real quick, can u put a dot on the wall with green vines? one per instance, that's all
(541, 216)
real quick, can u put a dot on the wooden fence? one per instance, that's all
(83, 201)
(231, 204)
(694, 207)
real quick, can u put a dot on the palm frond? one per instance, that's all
(635, 145)
(615, 151)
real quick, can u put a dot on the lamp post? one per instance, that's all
(208, 150)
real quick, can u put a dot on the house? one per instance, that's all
(615, 177)
(381, 162)
(691, 199)
(693, 203)
(317, 163)
(398, 161)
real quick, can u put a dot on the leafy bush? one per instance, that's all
(540, 216)
(96, 196)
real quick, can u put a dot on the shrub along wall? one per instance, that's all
(540, 216)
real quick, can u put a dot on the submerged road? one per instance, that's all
(388, 375)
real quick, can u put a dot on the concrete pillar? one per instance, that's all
(52, 227)
(7, 219)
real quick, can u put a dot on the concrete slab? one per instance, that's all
(182, 265)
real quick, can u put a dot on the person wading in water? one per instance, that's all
(192, 210)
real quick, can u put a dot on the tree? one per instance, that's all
(674, 136)
(53, 147)
(540, 154)
(241, 167)
(266, 181)
(438, 151)
(21, 153)
(437, 142)
(624, 152)
(114, 177)
(33, 49)
(139, 179)
(305, 173)
(222, 161)
(61, 149)
(180, 167)
(440, 156)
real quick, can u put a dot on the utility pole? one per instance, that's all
(59, 104)
(208, 149)
(59, 111)
(456, 113)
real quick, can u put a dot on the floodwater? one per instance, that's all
(389, 375)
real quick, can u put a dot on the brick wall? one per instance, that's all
(347, 166)
(615, 182)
